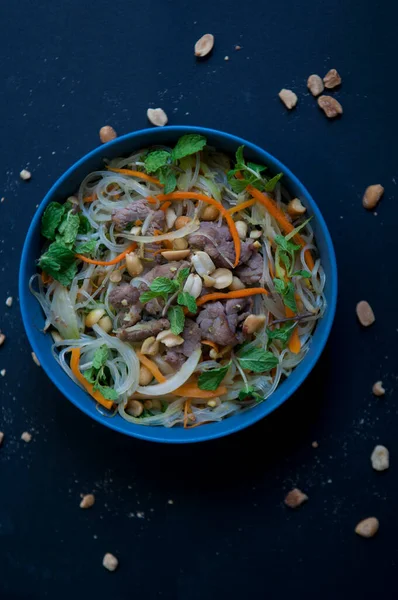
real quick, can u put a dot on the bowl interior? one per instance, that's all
(33, 316)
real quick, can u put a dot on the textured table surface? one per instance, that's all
(206, 521)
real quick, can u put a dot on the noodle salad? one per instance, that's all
(179, 286)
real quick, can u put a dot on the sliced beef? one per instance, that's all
(123, 296)
(192, 335)
(251, 272)
(143, 330)
(137, 210)
(217, 242)
(236, 311)
(157, 222)
(168, 270)
(130, 317)
(214, 325)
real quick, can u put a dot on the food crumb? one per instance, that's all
(367, 528)
(288, 98)
(380, 458)
(3, 372)
(315, 444)
(157, 116)
(238, 47)
(295, 498)
(107, 133)
(110, 562)
(26, 436)
(365, 313)
(25, 174)
(9, 301)
(204, 45)
(1, 437)
(170, 501)
(372, 196)
(2, 338)
(87, 501)
(226, 57)
(330, 106)
(35, 359)
(378, 389)
(140, 515)
(2, 199)
(332, 79)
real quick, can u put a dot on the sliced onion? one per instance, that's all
(172, 235)
(176, 380)
(63, 314)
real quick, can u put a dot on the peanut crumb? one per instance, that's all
(157, 116)
(315, 85)
(107, 133)
(35, 359)
(368, 527)
(238, 47)
(330, 106)
(87, 501)
(9, 301)
(3, 372)
(2, 338)
(315, 444)
(295, 498)
(25, 174)
(1, 437)
(365, 313)
(170, 501)
(226, 57)
(378, 389)
(380, 458)
(110, 562)
(331, 79)
(2, 199)
(288, 98)
(26, 436)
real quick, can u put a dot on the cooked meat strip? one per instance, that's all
(139, 209)
(214, 325)
(123, 296)
(191, 334)
(217, 242)
(157, 222)
(168, 270)
(251, 272)
(236, 311)
(143, 330)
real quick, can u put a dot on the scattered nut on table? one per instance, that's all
(295, 498)
(330, 106)
(26, 436)
(2, 338)
(315, 85)
(157, 116)
(368, 527)
(204, 45)
(288, 98)
(378, 389)
(110, 562)
(365, 313)
(35, 359)
(331, 79)
(315, 444)
(295, 208)
(87, 501)
(25, 174)
(372, 196)
(9, 301)
(107, 133)
(1, 437)
(380, 458)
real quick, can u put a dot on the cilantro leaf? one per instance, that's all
(58, 261)
(89, 374)
(305, 274)
(164, 285)
(188, 144)
(185, 299)
(100, 357)
(271, 183)
(51, 219)
(250, 392)
(107, 392)
(210, 380)
(176, 316)
(168, 179)
(156, 159)
(282, 334)
(256, 359)
(86, 247)
(69, 228)
(182, 276)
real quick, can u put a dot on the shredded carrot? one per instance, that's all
(278, 215)
(90, 198)
(121, 267)
(165, 206)
(241, 206)
(152, 367)
(46, 278)
(136, 174)
(218, 205)
(229, 295)
(210, 343)
(168, 244)
(294, 344)
(74, 365)
(191, 390)
(139, 222)
(107, 263)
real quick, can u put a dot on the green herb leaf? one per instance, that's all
(210, 380)
(284, 244)
(59, 262)
(147, 296)
(182, 276)
(107, 392)
(90, 375)
(164, 285)
(271, 183)
(156, 159)
(297, 229)
(86, 247)
(283, 333)
(185, 299)
(237, 185)
(69, 228)
(167, 177)
(176, 316)
(84, 226)
(257, 168)
(286, 290)
(66, 276)
(256, 359)
(100, 357)
(240, 161)
(188, 144)
(305, 274)
(250, 392)
(51, 219)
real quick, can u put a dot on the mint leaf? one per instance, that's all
(257, 168)
(248, 393)
(188, 144)
(147, 296)
(86, 247)
(69, 228)
(58, 260)
(182, 276)
(176, 316)
(100, 357)
(284, 244)
(107, 392)
(84, 226)
(240, 161)
(282, 334)
(167, 177)
(156, 159)
(286, 290)
(164, 285)
(256, 359)
(51, 218)
(280, 286)
(89, 374)
(305, 274)
(237, 185)
(271, 183)
(210, 380)
(185, 299)
(66, 276)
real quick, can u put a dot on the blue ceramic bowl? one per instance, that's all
(33, 316)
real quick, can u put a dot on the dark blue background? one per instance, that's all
(70, 67)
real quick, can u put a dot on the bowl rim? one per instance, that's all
(210, 431)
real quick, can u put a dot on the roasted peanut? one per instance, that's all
(180, 244)
(241, 228)
(315, 85)
(202, 263)
(236, 284)
(94, 316)
(256, 234)
(210, 213)
(175, 254)
(107, 133)
(253, 323)
(171, 218)
(145, 376)
(288, 98)
(87, 501)
(106, 324)
(295, 498)
(150, 346)
(204, 45)
(330, 106)
(193, 285)
(295, 208)
(115, 276)
(208, 281)
(157, 116)
(181, 222)
(169, 339)
(331, 79)
(134, 264)
(223, 278)
(134, 408)
(110, 562)
(372, 196)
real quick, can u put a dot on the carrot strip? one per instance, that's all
(139, 222)
(187, 406)
(294, 344)
(241, 206)
(190, 390)
(287, 227)
(228, 295)
(74, 365)
(90, 198)
(152, 367)
(136, 174)
(107, 263)
(165, 206)
(218, 205)
(46, 278)
(210, 343)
